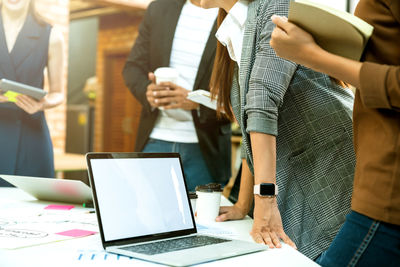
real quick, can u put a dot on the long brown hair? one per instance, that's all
(222, 74)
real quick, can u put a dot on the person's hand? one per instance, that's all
(267, 227)
(291, 42)
(234, 212)
(28, 104)
(174, 97)
(152, 88)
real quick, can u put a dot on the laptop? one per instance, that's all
(51, 189)
(143, 211)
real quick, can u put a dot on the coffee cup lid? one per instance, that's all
(166, 71)
(193, 195)
(212, 187)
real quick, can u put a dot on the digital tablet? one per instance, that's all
(11, 89)
(52, 189)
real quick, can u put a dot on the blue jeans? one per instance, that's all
(363, 241)
(194, 167)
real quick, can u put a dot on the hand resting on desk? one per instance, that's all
(268, 230)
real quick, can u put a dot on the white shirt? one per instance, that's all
(191, 36)
(231, 31)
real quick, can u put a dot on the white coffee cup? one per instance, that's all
(166, 74)
(208, 202)
(193, 199)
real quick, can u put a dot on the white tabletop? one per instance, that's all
(88, 251)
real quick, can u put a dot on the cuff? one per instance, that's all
(373, 85)
(262, 125)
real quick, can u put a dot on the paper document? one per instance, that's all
(203, 97)
(32, 226)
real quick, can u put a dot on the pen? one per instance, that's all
(91, 211)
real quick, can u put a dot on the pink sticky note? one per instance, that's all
(76, 233)
(59, 207)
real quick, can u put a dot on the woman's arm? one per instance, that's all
(55, 70)
(267, 227)
(55, 67)
(245, 199)
(293, 43)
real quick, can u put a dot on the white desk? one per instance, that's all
(88, 251)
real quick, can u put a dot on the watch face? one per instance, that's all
(267, 189)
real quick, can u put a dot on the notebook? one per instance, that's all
(143, 210)
(334, 30)
(51, 189)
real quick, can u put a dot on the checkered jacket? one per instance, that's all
(311, 118)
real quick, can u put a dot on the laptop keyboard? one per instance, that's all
(175, 244)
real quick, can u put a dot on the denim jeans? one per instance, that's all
(363, 241)
(194, 167)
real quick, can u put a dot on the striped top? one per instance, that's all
(191, 35)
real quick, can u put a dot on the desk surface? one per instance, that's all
(88, 251)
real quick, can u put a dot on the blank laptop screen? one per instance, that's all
(140, 196)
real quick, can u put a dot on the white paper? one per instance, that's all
(39, 226)
(203, 97)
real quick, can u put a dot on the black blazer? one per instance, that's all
(151, 50)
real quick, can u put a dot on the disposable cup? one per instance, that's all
(208, 202)
(193, 199)
(166, 74)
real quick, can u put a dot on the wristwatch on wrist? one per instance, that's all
(266, 190)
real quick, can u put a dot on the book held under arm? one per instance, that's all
(12, 89)
(334, 30)
(203, 97)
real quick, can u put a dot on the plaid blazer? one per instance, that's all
(311, 118)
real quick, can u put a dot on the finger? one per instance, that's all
(223, 217)
(152, 77)
(257, 238)
(275, 239)
(168, 84)
(26, 101)
(279, 21)
(173, 105)
(167, 100)
(164, 93)
(160, 87)
(22, 106)
(278, 33)
(267, 239)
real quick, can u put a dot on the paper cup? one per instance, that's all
(207, 206)
(193, 199)
(166, 74)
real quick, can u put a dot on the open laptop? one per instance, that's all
(143, 211)
(51, 189)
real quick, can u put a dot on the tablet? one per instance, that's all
(11, 89)
(52, 189)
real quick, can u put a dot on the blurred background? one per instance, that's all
(100, 113)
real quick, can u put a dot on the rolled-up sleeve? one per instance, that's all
(270, 77)
(380, 86)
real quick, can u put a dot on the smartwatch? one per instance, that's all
(266, 189)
